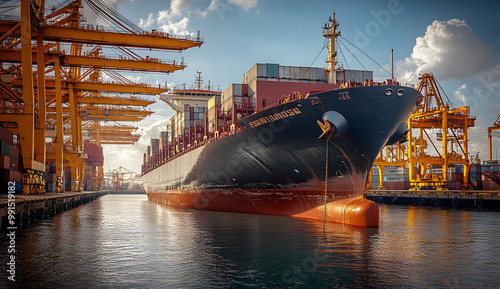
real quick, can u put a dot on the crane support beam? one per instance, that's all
(95, 35)
(59, 128)
(114, 118)
(99, 86)
(147, 64)
(40, 151)
(33, 169)
(85, 34)
(102, 111)
(114, 101)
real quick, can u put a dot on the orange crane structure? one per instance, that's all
(495, 126)
(390, 155)
(452, 124)
(53, 100)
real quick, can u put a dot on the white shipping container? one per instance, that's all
(357, 75)
(395, 170)
(316, 73)
(294, 72)
(284, 72)
(252, 87)
(439, 171)
(304, 73)
(396, 178)
(237, 89)
(250, 74)
(261, 70)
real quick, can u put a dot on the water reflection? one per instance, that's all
(126, 241)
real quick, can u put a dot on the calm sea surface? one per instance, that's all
(124, 241)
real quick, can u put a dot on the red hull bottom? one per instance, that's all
(343, 208)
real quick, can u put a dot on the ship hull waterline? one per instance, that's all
(277, 164)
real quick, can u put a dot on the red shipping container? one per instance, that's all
(52, 168)
(95, 154)
(51, 178)
(490, 185)
(14, 176)
(4, 162)
(14, 165)
(14, 153)
(6, 136)
(397, 185)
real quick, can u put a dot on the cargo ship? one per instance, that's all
(294, 141)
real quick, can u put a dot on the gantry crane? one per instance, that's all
(119, 176)
(67, 87)
(453, 124)
(496, 126)
(390, 155)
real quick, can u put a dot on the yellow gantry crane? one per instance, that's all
(49, 93)
(452, 125)
(390, 155)
(496, 126)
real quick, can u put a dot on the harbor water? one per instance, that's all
(125, 241)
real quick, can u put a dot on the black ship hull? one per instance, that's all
(278, 164)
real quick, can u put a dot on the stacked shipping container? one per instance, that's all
(214, 111)
(10, 161)
(269, 70)
(490, 176)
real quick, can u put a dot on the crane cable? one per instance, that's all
(366, 55)
(112, 17)
(352, 53)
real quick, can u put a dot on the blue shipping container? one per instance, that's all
(272, 70)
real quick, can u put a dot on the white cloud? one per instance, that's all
(452, 51)
(177, 7)
(176, 28)
(449, 49)
(245, 4)
(91, 17)
(459, 93)
(131, 156)
(148, 22)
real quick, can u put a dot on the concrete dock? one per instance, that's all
(22, 210)
(487, 199)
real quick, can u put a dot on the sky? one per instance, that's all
(457, 41)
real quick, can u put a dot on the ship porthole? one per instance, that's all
(400, 92)
(388, 91)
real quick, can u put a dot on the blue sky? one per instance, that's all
(456, 40)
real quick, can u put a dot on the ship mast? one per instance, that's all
(199, 80)
(331, 33)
